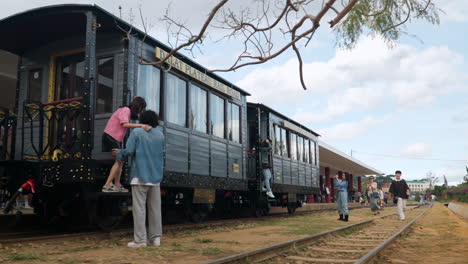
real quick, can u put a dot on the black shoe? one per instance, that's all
(346, 218)
(341, 218)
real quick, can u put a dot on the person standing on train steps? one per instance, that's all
(265, 157)
(373, 194)
(113, 137)
(147, 152)
(341, 185)
(400, 190)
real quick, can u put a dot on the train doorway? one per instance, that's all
(8, 84)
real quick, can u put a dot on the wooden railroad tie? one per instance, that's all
(322, 260)
(338, 250)
(351, 245)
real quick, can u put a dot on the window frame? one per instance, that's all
(278, 146)
(189, 104)
(28, 93)
(163, 96)
(229, 103)
(161, 89)
(225, 115)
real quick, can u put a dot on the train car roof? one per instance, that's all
(44, 30)
(284, 117)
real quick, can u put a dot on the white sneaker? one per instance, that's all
(156, 242)
(264, 189)
(136, 245)
(28, 207)
(270, 194)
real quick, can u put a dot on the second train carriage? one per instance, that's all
(76, 65)
(294, 159)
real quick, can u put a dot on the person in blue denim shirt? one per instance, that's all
(341, 185)
(146, 172)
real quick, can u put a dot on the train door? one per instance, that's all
(65, 101)
(8, 84)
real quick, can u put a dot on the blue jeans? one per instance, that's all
(342, 203)
(266, 179)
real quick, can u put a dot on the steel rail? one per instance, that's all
(9, 238)
(374, 252)
(265, 253)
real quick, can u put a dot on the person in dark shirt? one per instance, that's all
(265, 157)
(400, 191)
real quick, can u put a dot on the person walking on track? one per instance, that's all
(113, 137)
(341, 185)
(374, 195)
(400, 190)
(147, 152)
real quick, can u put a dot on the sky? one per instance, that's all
(403, 107)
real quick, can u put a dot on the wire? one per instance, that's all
(406, 157)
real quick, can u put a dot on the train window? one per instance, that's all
(234, 122)
(149, 86)
(284, 144)
(306, 150)
(198, 108)
(105, 85)
(300, 148)
(312, 153)
(70, 76)
(216, 115)
(35, 86)
(278, 145)
(293, 145)
(175, 100)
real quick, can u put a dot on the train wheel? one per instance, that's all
(292, 208)
(104, 221)
(259, 212)
(108, 223)
(197, 217)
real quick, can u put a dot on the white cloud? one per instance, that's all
(348, 130)
(361, 79)
(341, 103)
(420, 149)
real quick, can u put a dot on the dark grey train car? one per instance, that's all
(76, 65)
(295, 154)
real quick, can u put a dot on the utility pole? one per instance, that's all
(351, 152)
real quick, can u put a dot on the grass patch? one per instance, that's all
(179, 247)
(203, 240)
(85, 248)
(349, 231)
(228, 241)
(115, 242)
(212, 251)
(24, 256)
(71, 261)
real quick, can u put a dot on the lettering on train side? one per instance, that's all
(196, 74)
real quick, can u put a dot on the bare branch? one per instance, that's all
(343, 13)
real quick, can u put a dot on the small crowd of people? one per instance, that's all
(399, 190)
(146, 147)
(424, 198)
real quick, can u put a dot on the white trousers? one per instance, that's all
(401, 208)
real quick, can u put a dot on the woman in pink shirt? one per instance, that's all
(114, 134)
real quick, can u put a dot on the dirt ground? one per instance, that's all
(195, 246)
(439, 236)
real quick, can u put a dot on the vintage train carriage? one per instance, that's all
(76, 65)
(295, 157)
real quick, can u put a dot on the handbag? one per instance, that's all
(375, 195)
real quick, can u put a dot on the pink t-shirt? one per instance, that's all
(114, 126)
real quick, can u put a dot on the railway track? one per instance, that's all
(38, 235)
(357, 243)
